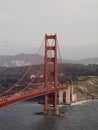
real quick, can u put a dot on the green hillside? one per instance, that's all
(86, 87)
(84, 77)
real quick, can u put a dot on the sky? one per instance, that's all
(23, 24)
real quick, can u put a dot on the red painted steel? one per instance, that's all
(46, 90)
(48, 48)
(29, 95)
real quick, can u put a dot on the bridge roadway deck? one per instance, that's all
(28, 95)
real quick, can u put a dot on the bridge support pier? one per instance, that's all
(51, 110)
(66, 96)
(46, 105)
(56, 112)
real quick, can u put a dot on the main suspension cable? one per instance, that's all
(25, 74)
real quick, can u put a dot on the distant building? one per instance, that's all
(19, 63)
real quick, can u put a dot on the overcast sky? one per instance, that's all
(23, 24)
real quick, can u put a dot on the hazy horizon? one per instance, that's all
(23, 25)
(64, 58)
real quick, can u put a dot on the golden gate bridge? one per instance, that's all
(26, 88)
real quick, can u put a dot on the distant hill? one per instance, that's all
(89, 61)
(26, 59)
(20, 60)
(86, 61)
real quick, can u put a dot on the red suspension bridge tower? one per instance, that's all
(51, 58)
(51, 88)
